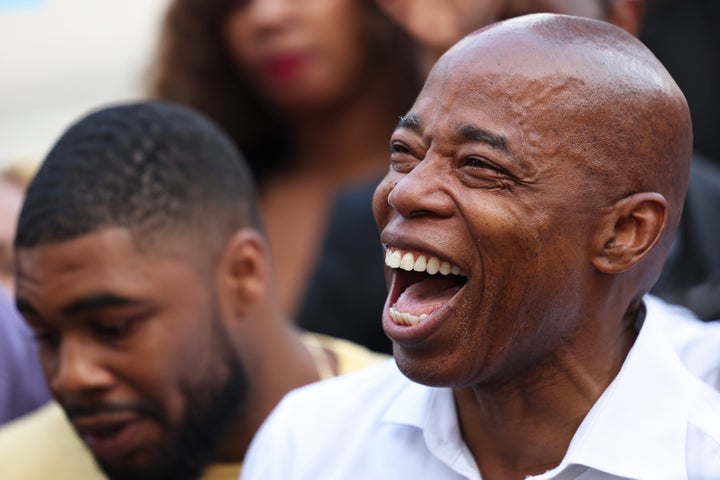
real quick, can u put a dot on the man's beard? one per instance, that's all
(209, 411)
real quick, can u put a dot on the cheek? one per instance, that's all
(177, 352)
(338, 32)
(236, 40)
(187, 379)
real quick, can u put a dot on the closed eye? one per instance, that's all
(115, 329)
(46, 338)
(402, 158)
(480, 162)
(398, 148)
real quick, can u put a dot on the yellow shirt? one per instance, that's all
(43, 444)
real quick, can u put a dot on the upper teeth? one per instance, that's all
(420, 263)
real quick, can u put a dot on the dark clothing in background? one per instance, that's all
(691, 275)
(684, 35)
(347, 290)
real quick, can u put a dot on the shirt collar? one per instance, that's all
(432, 411)
(427, 408)
(636, 429)
(638, 426)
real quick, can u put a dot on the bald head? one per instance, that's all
(588, 134)
(593, 92)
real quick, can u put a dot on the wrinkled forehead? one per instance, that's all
(555, 46)
(501, 83)
(547, 65)
(497, 58)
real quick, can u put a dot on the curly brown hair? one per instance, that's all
(194, 68)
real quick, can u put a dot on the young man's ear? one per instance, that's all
(244, 270)
(629, 231)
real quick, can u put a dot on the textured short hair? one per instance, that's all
(152, 168)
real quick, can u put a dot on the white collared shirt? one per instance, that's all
(655, 421)
(697, 343)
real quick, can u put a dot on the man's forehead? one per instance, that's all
(533, 58)
(110, 248)
(493, 91)
(544, 42)
(504, 53)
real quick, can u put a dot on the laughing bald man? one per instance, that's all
(533, 193)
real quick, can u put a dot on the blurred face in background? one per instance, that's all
(299, 54)
(580, 8)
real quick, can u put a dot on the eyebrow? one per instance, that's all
(411, 122)
(96, 302)
(468, 132)
(472, 133)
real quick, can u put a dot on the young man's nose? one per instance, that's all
(78, 370)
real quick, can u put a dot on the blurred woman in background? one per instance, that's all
(309, 89)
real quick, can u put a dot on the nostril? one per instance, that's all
(78, 369)
(422, 196)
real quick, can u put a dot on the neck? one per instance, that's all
(524, 426)
(279, 362)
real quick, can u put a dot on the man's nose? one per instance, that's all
(78, 370)
(269, 13)
(423, 191)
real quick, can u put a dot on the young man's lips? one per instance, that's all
(110, 436)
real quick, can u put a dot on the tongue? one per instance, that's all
(428, 295)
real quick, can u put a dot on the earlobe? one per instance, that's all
(243, 270)
(630, 231)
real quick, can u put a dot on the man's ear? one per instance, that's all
(627, 14)
(244, 270)
(629, 232)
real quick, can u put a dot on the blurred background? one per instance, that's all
(59, 58)
(684, 35)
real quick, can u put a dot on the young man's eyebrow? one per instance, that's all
(95, 302)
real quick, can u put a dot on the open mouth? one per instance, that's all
(422, 284)
(109, 436)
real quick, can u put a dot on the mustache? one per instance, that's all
(78, 410)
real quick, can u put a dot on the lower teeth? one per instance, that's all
(402, 318)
